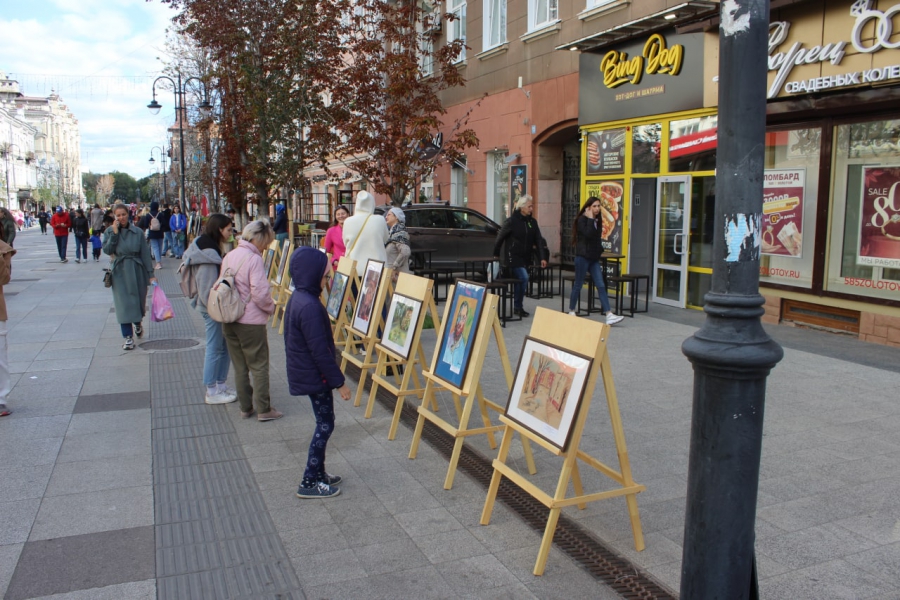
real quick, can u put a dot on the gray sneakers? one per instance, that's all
(320, 490)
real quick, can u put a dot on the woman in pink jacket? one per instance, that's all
(334, 242)
(246, 339)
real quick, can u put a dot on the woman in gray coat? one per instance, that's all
(132, 272)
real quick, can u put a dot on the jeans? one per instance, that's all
(168, 242)
(156, 249)
(281, 237)
(80, 248)
(323, 408)
(177, 244)
(582, 266)
(248, 346)
(62, 242)
(127, 329)
(216, 361)
(520, 273)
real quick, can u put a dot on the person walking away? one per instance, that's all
(132, 273)
(365, 237)
(397, 247)
(43, 218)
(204, 258)
(61, 225)
(151, 223)
(281, 224)
(96, 245)
(586, 231)
(165, 215)
(6, 254)
(524, 242)
(81, 230)
(311, 367)
(8, 223)
(247, 339)
(96, 218)
(334, 241)
(178, 227)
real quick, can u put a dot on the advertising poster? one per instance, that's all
(783, 212)
(610, 194)
(879, 222)
(606, 152)
(518, 184)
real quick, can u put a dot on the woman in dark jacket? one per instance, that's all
(81, 229)
(588, 248)
(311, 367)
(156, 236)
(281, 224)
(524, 242)
(9, 226)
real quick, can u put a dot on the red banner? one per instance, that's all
(879, 223)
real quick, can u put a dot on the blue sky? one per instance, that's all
(101, 56)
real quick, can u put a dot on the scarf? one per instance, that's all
(399, 234)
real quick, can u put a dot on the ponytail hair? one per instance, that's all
(587, 203)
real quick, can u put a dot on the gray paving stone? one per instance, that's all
(450, 545)
(9, 556)
(22, 483)
(93, 512)
(83, 562)
(42, 406)
(110, 444)
(111, 402)
(29, 452)
(136, 590)
(834, 579)
(329, 567)
(815, 545)
(299, 543)
(203, 585)
(471, 575)
(882, 562)
(98, 475)
(389, 557)
(428, 522)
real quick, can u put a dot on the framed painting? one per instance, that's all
(281, 263)
(365, 304)
(400, 329)
(270, 256)
(336, 295)
(547, 390)
(459, 332)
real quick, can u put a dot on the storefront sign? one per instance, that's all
(606, 152)
(610, 217)
(800, 54)
(879, 223)
(659, 73)
(783, 212)
(656, 58)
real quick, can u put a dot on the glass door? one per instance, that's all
(671, 250)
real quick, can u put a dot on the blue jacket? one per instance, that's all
(177, 222)
(308, 341)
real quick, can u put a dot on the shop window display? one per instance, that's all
(864, 248)
(645, 140)
(790, 200)
(692, 144)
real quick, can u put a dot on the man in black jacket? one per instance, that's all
(168, 241)
(524, 243)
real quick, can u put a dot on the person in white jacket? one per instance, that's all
(365, 233)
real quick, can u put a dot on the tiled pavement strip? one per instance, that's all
(116, 481)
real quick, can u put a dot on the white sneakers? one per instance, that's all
(222, 396)
(612, 318)
(573, 313)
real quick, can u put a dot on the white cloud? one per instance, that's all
(101, 57)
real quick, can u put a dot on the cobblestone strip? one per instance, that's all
(214, 535)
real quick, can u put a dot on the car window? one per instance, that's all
(412, 218)
(467, 220)
(431, 218)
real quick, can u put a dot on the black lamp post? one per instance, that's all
(180, 109)
(162, 159)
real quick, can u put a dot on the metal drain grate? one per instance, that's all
(582, 547)
(169, 344)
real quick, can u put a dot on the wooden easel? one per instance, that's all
(367, 341)
(346, 266)
(282, 288)
(587, 338)
(275, 250)
(417, 288)
(489, 323)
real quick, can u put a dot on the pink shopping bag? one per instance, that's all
(161, 308)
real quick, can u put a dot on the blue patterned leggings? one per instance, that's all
(323, 407)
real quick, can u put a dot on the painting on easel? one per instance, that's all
(336, 296)
(270, 256)
(401, 325)
(459, 332)
(365, 305)
(281, 263)
(547, 390)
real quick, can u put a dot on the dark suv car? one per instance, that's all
(455, 233)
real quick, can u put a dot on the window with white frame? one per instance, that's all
(456, 29)
(542, 13)
(494, 23)
(428, 27)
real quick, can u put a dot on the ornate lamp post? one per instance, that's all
(178, 86)
(162, 159)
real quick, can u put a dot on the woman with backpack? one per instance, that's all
(247, 339)
(151, 224)
(202, 260)
(81, 230)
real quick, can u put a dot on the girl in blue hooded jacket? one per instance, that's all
(311, 366)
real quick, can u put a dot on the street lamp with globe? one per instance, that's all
(162, 159)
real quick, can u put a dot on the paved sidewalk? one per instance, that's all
(117, 481)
